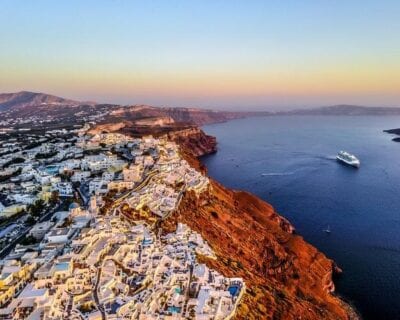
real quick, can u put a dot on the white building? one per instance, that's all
(59, 235)
(101, 162)
(98, 186)
(65, 189)
(39, 230)
(79, 176)
(108, 176)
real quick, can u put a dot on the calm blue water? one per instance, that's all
(289, 161)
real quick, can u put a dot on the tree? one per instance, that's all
(36, 208)
(28, 240)
(14, 161)
(45, 155)
(54, 198)
(66, 176)
(30, 221)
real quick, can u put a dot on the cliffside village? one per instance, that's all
(79, 232)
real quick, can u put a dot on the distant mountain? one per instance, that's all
(345, 110)
(26, 99)
(395, 132)
(26, 104)
(184, 115)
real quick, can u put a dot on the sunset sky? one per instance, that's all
(220, 54)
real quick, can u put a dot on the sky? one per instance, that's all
(228, 55)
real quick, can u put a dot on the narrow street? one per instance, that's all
(96, 296)
(47, 216)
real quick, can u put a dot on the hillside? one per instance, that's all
(39, 110)
(26, 99)
(26, 104)
(286, 277)
(181, 115)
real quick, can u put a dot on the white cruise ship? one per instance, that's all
(348, 158)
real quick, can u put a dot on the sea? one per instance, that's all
(289, 161)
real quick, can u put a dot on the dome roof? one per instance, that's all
(73, 205)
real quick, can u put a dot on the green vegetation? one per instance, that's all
(33, 145)
(66, 203)
(28, 240)
(36, 209)
(7, 220)
(48, 155)
(54, 198)
(5, 178)
(67, 222)
(30, 221)
(66, 176)
(14, 161)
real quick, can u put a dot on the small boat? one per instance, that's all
(348, 159)
(327, 230)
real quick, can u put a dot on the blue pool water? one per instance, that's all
(174, 309)
(52, 169)
(233, 290)
(289, 161)
(178, 290)
(62, 266)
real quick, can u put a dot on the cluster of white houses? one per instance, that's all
(85, 265)
(115, 269)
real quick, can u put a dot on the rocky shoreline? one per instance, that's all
(286, 277)
(395, 132)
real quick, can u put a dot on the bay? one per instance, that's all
(289, 161)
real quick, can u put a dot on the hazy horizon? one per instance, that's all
(213, 55)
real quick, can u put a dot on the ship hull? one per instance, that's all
(348, 163)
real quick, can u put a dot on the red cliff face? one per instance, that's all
(286, 277)
(194, 141)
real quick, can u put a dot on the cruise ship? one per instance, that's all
(348, 158)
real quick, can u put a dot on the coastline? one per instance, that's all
(285, 276)
(350, 306)
(395, 132)
(291, 255)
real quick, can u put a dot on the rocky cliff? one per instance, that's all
(286, 277)
(26, 104)
(194, 141)
(395, 132)
(180, 115)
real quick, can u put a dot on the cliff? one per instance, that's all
(286, 277)
(179, 115)
(194, 141)
(202, 116)
(26, 104)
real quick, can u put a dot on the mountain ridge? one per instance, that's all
(35, 106)
(24, 99)
(344, 110)
(15, 100)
